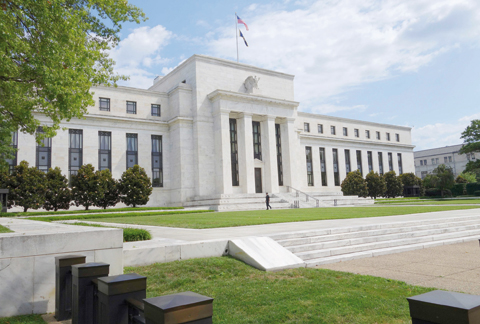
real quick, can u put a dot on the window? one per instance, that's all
(323, 166)
(157, 161)
(390, 162)
(306, 127)
(132, 150)
(378, 135)
(12, 162)
(320, 128)
(104, 150)
(347, 161)
(473, 156)
(433, 161)
(436, 160)
(397, 137)
(421, 162)
(356, 132)
(44, 152)
(424, 174)
(345, 131)
(234, 152)
(388, 136)
(308, 154)
(370, 161)
(380, 163)
(424, 162)
(278, 138)
(336, 174)
(155, 110)
(104, 104)
(75, 151)
(332, 130)
(367, 134)
(359, 162)
(449, 159)
(131, 107)
(400, 165)
(257, 145)
(445, 159)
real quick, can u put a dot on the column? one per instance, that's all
(292, 154)
(269, 154)
(223, 175)
(245, 154)
(342, 168)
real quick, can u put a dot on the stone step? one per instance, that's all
(382, 245)
(369, 233)
(251, 206)
(230, 201)
(378, 238)
(377, 252)
(349, 229)
(227, 196)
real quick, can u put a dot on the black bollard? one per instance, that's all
(63, 285)
(112, 295)
(186, 307)
(84, 304)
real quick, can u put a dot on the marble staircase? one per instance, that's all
(324, 246)
(233, 202)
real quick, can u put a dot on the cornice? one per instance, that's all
(348, 140)
(131, 90)
(179, 119)
(126, 119)
(244, 97)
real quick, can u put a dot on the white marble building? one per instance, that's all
(213, 126)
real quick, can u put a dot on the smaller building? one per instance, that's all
(428, 160)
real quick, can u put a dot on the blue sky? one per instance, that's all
(406, 62)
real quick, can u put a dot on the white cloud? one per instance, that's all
(334, 46)
(139, 52)
(441, 134)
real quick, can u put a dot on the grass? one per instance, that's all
(3, 229)
(245, 295)
(26, 319)
(114, 215)
(91, 211)
(438, 201)
(242, 218)
(129, 234)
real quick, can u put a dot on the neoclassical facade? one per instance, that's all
(213, 126)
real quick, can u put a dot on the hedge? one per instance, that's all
(458, 189)
(472, 187)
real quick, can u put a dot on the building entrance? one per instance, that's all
(258, 180)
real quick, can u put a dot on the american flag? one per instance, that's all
(240, 21)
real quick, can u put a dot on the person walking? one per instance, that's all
(267, 201)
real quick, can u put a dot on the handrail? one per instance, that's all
(306, 195)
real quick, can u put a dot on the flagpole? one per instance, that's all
(236, 33)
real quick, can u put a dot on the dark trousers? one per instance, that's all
(268, 205)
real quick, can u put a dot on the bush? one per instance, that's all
(469, 176)
(27, 187)
(108, 194)
(394, 186)
(459, 189)
(136, 234)
(433, 192)
(477, 193)
(135, 187)
(472, 187)
(354, 184)
(375, 185)
(85, 187)
(461, 179)
(58, 195)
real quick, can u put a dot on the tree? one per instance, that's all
(410, 179)
(354, 184)
(51, 54)
(57, 195)
(469, 177)
(108, 189)
(394, 186)
(135, 186)
(375, 184)
(445, 178)
(471, 138)
(27, 187)
(85, 187)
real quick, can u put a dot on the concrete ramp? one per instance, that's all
(263, 253)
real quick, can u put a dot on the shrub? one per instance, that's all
(135, 187)
(375, 185)
(461, 179)
(354, 184)
(108, 194)
(469, 176)
(136, 234)
(445, 178)
(433, 192)
(472, 187)
(85, 188)
(477, 193)
(57, 195)
(27, 187)
(393, 184)
(458, 189)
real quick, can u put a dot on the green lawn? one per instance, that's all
(3, 229)
(27, 319)
(429, 201)
(91, 211)
(242, 218)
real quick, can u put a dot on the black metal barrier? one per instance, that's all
(96, 298)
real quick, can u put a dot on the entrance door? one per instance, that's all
(258, 180)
